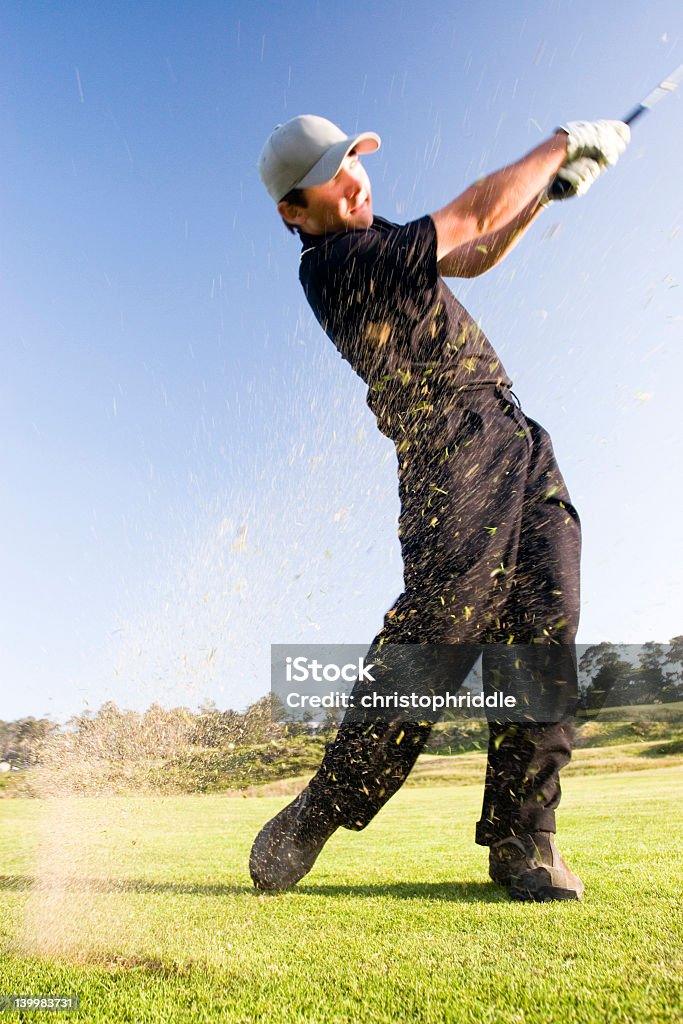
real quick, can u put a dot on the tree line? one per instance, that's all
(129, 735)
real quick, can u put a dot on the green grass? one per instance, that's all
(143, 907)
(468, 768)
(433, 770)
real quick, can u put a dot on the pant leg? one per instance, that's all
(371, 757)
(460, 531)
(522, 788)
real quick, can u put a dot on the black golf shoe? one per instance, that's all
(531, 867)
(287, 846)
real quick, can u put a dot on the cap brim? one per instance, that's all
(329, 164)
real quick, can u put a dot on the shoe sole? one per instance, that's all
(539, 887)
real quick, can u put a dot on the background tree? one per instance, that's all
(604, 677)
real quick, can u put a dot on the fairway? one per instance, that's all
(144, 909)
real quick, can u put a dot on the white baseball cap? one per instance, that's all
(308, 150)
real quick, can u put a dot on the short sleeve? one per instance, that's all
(376, 293)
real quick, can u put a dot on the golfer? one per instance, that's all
(489, 537)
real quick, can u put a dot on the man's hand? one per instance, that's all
(603, 141)
(574, 179)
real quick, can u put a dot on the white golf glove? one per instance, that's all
(573, 179)
(603, 141)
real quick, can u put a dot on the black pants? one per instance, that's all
(491, 548)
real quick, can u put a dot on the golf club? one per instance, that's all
(560, 188)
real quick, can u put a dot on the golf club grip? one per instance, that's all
(635, 113)
(559, 189)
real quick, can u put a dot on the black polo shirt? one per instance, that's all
(378, 295)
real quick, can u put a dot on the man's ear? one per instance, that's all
(293, 214)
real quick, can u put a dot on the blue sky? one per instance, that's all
(189, 471)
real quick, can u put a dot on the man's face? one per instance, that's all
(340, 204)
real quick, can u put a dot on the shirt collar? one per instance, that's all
(309, 242)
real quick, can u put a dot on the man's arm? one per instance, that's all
(480, 255)
(495, 201)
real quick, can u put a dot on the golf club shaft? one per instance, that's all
(560, 188)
